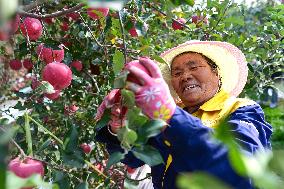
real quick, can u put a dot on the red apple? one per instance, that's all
(198, 20)
(35, 83)
(130, 170)
(86, 148)
(133, 32)
(49, 21)
(68, 110)
(137, 64)
(99, 166)
(176, 25)
(77, 64)
(53, 96)
(28, 64)
(64, 26)
(73, 15)
(45, 119)
(92, 12)
(49, 55)
(31, 27)
(26, 168)
(73, 108)
(15, 64)
(57, 74)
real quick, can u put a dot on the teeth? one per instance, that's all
(190, 87)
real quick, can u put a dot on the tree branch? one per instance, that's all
(52, 15)
(15, 143)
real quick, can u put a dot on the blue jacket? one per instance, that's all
(193, 149)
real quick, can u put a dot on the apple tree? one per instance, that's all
(59, 59)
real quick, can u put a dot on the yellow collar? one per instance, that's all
(216, 103)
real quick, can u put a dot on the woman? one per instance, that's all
(193, 93)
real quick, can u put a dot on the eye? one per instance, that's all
(193, 68)
(176, 73)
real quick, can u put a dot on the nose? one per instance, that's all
(186, 76)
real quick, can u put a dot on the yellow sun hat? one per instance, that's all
(231, 62)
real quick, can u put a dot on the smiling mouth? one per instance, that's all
(189, 87)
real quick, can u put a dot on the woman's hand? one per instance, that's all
(153, 94)
(118, 113)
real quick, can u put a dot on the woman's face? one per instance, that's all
(193, 79)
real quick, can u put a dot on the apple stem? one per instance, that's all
(46, 130)
(16, 144)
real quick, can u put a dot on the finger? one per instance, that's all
(139, 74)
(133, 87)
(100, 111)
(113, 97)
(151, 66)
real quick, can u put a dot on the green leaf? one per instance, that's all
(6, 136)
(235, 20)
(73, 159)
(159, 59)
(148, 154)
(127, 137)
(196, 181)
(61, 179)
(47, 87)
(53, 44)
(114, 158)
(180, 2)
(104, 119)
(120, 80)
(128, 98)
(150, 129)
(118, 61)
(83, 185)
(135, 118)
(3, 163)
(43, 146)
(237, 160)
(71, 140)
(16, 182)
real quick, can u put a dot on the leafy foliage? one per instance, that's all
(52, 133)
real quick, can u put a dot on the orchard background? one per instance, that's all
(53, 126)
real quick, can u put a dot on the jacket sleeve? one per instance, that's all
(193, 148)
(113, 145)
